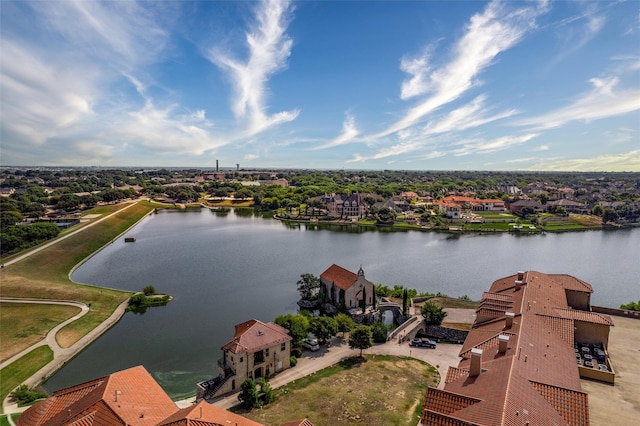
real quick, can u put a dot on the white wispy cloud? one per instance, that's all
(349, 133)
(489, 146)
(468, 116)
(489, 33)
(164, 130)
(623, 162)
(269, 48)
(602, 101)
(42, 98)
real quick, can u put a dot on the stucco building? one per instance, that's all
(256, 350)
(533, 338)
(342, 287)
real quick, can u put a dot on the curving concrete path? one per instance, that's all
(60, 355)
(441, 358)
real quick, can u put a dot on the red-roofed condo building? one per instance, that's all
(533, 338)
(256, 350)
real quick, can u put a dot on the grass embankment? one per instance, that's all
(5, 422)
(30, 323)
(45, 274)
(16, 373)
(383, 390)
(573, 222)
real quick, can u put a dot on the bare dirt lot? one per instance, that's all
(618, 404)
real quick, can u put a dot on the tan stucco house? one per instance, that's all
(256, 350)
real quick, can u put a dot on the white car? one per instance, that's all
(311, 344)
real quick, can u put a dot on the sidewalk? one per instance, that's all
(441, 358)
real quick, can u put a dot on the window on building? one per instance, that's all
(283, 347)
(240, 359)
(266, 352)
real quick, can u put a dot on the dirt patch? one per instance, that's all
(384, 390)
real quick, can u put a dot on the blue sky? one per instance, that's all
(425, 85)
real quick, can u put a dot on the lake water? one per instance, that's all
(224, 269)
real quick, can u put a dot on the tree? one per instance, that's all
(308, 286)
(345, 323)
(405, 299)
(266, 394)
(386, 216)
(298, 326)
(632, 306)
(609, 215)
(379, 332)
(323, 328)
(433, 313)
(361, 338)
(248, 394)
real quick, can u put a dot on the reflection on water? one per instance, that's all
(224, 268)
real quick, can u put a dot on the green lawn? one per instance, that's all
(15, 374)
(5, 422)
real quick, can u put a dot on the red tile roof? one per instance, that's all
(536, 380)
(584, 316)
(127, 397)
(253, 335)
(205, 414)
(303, 422)
(339, 276)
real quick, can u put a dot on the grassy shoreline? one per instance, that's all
(45, 275)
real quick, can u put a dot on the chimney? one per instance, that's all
(503, 341)
(476, 362)
(217, 168)
(518, 285)
(509, 322)
(520, 275)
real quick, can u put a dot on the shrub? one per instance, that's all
(293, 361)
(433, 313)
(23, 395)
(296, 352)
(149, 290)
(379, 331)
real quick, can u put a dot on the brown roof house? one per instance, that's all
(128, 397)
(533, 338)
(256, 350)
(341, 287)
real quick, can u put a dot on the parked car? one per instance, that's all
(423, 343)
(311, 344)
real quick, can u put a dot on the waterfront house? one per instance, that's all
(534, 337)
(256, 350)
(342, 287)
(352, 206)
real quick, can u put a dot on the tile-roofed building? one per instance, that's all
(342, 287)
(519, 367)
(256, 350)
(130, 396)
(204, 414)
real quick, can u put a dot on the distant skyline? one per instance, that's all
(415, 85)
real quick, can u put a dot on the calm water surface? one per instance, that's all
(226, 269)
